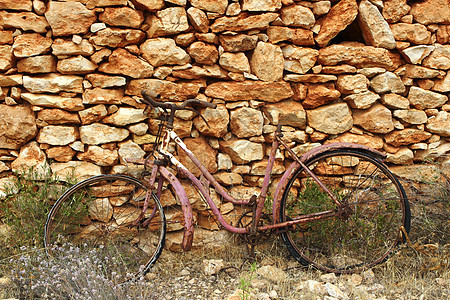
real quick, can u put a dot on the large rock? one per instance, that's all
(374, 142)
(299, 59)
(359, 55)
(205, 154)
(102, 96)
(431, 12)
(53, 83)
(169, 21)
(419, 72)
(414, 33)
(440, 124)
(217, 119)
(246, 122)
(242, 151)
(394, 10)
(99, 156)
(6, 57)
(96, 134)
(320, 94)
(122, 16)
(37, 64)
(123, 62)
(362, 100)
(243, 22)
(267, 62)
(125, 116)
(423, 99)
(416, 54)
(375, 29)
(62, 48)
(151, 5)
(406, 137)
(66, 103)
(217, 6)
(24, 20)
(130, 149)
(340, 16)
(238, 42)
(203, 53)
(76, 65)
(17, 126)
(23, 5)
(387, 82)
(67, 18)
(31, 157)
(167, 89)
(395, 101)
(56, 117)
(298, 36)
(198, 19)
(376, 119)
(235, 62)
(439, 58)
(250, 90)
(31, 44)
(93, 114)
(331, 119)
(57, 135)
(117, 37)
(288, 113)
(297, 16)
(411, 116)
(105, 81)
(163, 51)
(79, 170)
(261, 5)
(442, 85)
(352, 84)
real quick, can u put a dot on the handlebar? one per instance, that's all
(149, 99)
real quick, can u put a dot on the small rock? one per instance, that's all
(212, 266)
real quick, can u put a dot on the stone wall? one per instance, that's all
(371, 72)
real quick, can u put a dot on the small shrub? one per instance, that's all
(72, 275)
(26, 207)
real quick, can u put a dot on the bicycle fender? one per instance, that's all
(308, 156)
(188, 236)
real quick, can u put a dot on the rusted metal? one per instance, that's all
(165, 174)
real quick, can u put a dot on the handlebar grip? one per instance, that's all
(202, 103)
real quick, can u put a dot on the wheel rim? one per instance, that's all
(98, 217)
(368, 226)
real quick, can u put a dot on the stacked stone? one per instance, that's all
(72, 72)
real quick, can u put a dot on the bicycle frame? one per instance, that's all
(165, 157)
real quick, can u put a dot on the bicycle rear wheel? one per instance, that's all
(367, 227)
(101, 217)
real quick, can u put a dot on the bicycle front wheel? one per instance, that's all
(367, 226)
(104, 218)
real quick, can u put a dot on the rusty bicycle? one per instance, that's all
(336, 207)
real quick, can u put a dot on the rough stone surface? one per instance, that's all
(374, 27)
(267, 62)
(66, 18)
(377, 119)
(358, 55)
(340, 16)
(123, 62)
(96, 134)
(31, 44)
(18, 126)
(331, 119)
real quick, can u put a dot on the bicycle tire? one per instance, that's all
(98, 217)
(370, 229)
